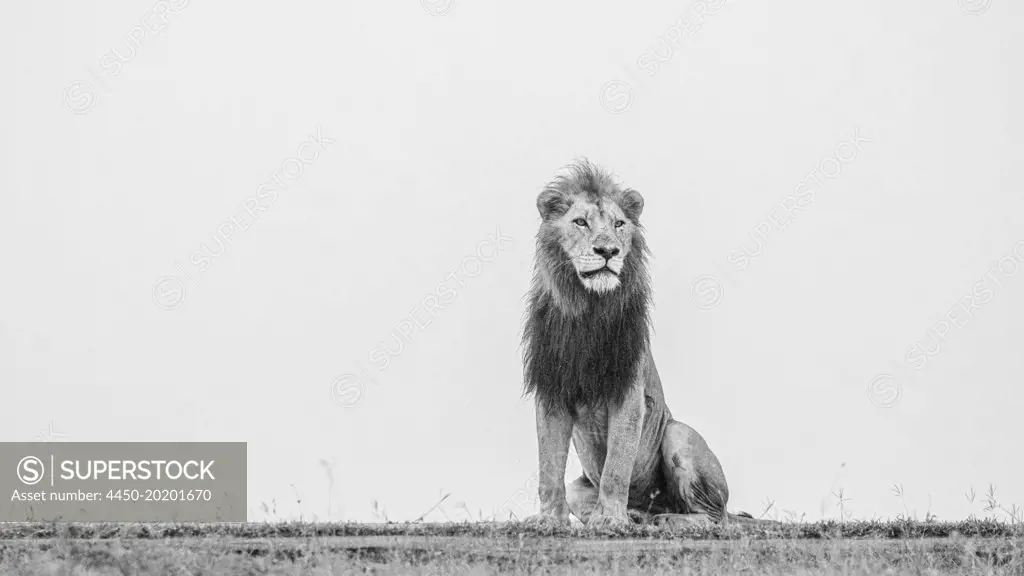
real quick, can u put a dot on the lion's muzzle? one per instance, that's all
(607, 252)
(601, 270)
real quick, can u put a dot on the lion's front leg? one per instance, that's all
(625, 426)
(554, 431)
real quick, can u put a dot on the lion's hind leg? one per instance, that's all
(694, 478)
(581, 495)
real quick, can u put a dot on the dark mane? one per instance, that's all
(582, 348)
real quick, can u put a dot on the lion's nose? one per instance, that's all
(606, 252)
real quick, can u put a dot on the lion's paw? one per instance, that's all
(547, 520)
(639, 517)
(608, 521)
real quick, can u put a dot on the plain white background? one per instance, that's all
(447, 120)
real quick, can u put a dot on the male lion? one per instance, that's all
(587, 361)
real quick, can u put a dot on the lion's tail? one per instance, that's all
(745, 518)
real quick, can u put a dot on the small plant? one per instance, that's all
(1015, 513)
(897, 490)
(791, 516)
(431, 509)
(928, 516)
(298, 500)
(270, 511)
(380, 513)
(461, 514)
(469, 515)
(841, 504)
(329, 472)
(970, 498)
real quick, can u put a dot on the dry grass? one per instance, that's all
(904, 546)
(901, 547)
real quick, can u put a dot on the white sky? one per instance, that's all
(446, 127)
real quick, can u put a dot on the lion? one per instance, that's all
(588, 364)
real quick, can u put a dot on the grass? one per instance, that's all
(852, 547)
(994, 545)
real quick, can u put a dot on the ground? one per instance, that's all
(970, 547)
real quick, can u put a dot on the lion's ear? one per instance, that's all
(551, 202)
(632, 204)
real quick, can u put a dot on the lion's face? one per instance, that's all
(596, 238)
(594, 222)
(587, 326)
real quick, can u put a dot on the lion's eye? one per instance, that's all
(580, 222)
(620, 223)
